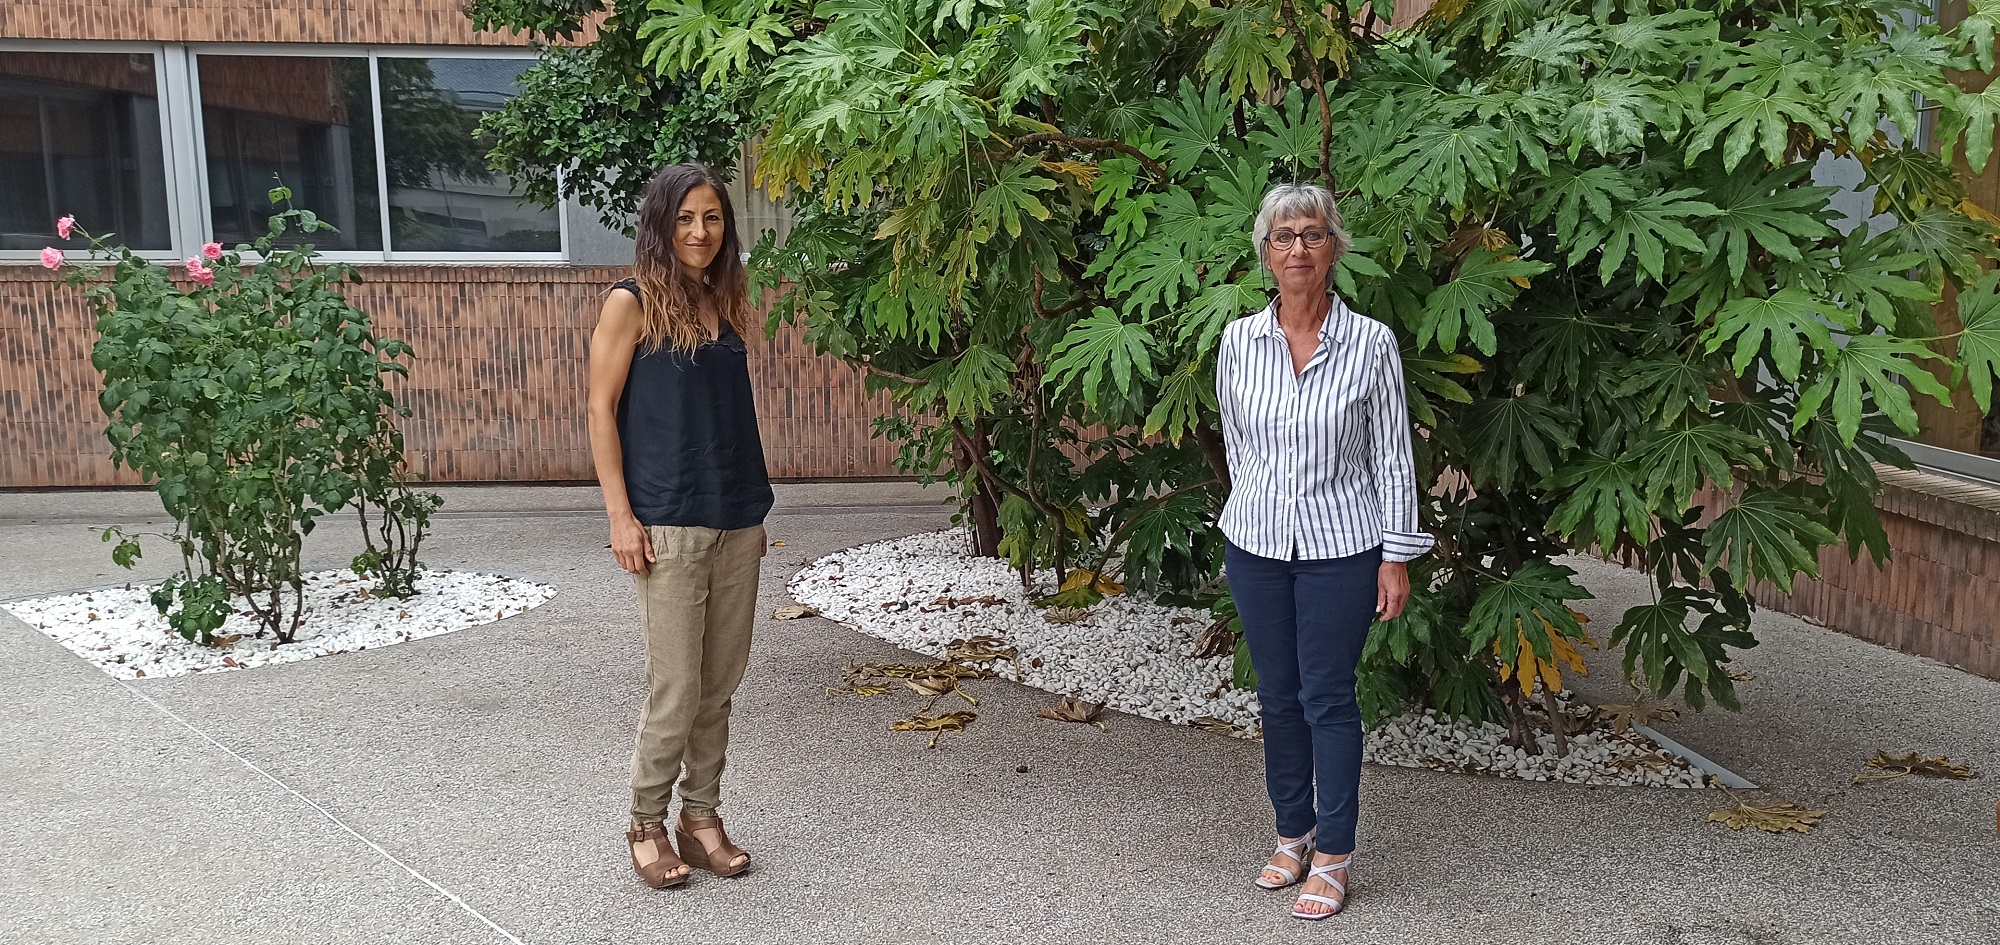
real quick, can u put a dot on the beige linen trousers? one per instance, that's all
(698, 603)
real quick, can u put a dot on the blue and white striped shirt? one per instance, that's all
(1319, 462)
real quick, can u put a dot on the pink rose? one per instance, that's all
(51, 257)
(201, 274)
(212, 250)
(63, 225)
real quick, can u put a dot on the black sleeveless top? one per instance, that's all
(688, 427)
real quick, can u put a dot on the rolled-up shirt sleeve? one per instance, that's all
(1395, 466)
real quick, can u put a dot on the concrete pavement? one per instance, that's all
(470, 787)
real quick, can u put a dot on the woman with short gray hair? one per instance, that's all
(1321, 522)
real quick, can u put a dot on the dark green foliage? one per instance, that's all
(1625, 309)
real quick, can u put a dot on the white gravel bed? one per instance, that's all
(120, 630)
(1130, 654)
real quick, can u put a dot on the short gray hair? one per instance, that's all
(1300, 200)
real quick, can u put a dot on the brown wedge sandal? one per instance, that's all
(700, 856)
(659, 873)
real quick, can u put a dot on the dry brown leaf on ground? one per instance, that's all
(1209, 723)
(1929, 766)
(1219, 639)
(1074, 710)
(1740, 677)
(859, 689)
(937, 725)
(794, 612)
(1770, 818)
(979, 649)
(1643, 712)
(1064, 614)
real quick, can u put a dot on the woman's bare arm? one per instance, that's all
(612, 346)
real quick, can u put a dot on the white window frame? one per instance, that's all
(177, 72)
(169, 74)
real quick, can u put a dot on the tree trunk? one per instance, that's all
(1212, 447)
(985, 505)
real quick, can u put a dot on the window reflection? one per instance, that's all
(301, 120)
(80, 134)
(442, 195)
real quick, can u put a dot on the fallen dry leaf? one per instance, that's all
(1064, 614)
(1209, 723)
(1740, 677)
(1097, 582)
(1218, 640)
(1074, 710)
(229, 661)
(937, 725)
(794, 612)
(1643, 712)
(1929, 766)
(224, 642)
(981, 649)
(1770, 818)
(859, 689)
(777, 544)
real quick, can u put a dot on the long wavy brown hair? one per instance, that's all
(673, 297)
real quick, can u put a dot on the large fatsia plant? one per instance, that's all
(1632, 323)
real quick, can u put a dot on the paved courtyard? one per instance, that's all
(469, 788)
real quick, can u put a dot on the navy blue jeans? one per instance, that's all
(1305, 622)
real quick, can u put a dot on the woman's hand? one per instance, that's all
(631, 544)
(1392, 589)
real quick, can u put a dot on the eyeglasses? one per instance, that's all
(1282, 239)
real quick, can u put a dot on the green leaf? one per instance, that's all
(1745, 119)
(982, 374)
(1768, 534)
(1643, 230)
(1001, 203)
(1773, 211)
(1696, 450)
(1569, 193)
(1979, 339)
(1528, 603)
(1611, 115)
(1871, 364)
(1185, 399)
(1786, 319)
(1505, 434)
(1099, 343)
(1603, 496)
(1486, 281)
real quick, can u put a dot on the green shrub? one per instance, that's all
(254, 403)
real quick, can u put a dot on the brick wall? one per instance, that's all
(496, 387)
(1939, 595)
(370, 22)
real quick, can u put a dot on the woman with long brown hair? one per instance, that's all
(673, 433)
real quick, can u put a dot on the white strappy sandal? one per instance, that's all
(1340, 887)
(1296, 849)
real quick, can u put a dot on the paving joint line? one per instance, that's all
(329, 815)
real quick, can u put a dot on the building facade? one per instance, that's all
(167, 122)
(168, 125)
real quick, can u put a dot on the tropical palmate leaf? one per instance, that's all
(1103, 349)
(1770, 535)
(1486, 281)
(1528, 608)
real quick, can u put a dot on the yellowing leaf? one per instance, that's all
(1530, 667)
(1084, 172)
(794, 612)
(1084, 577)
(1967, 208)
